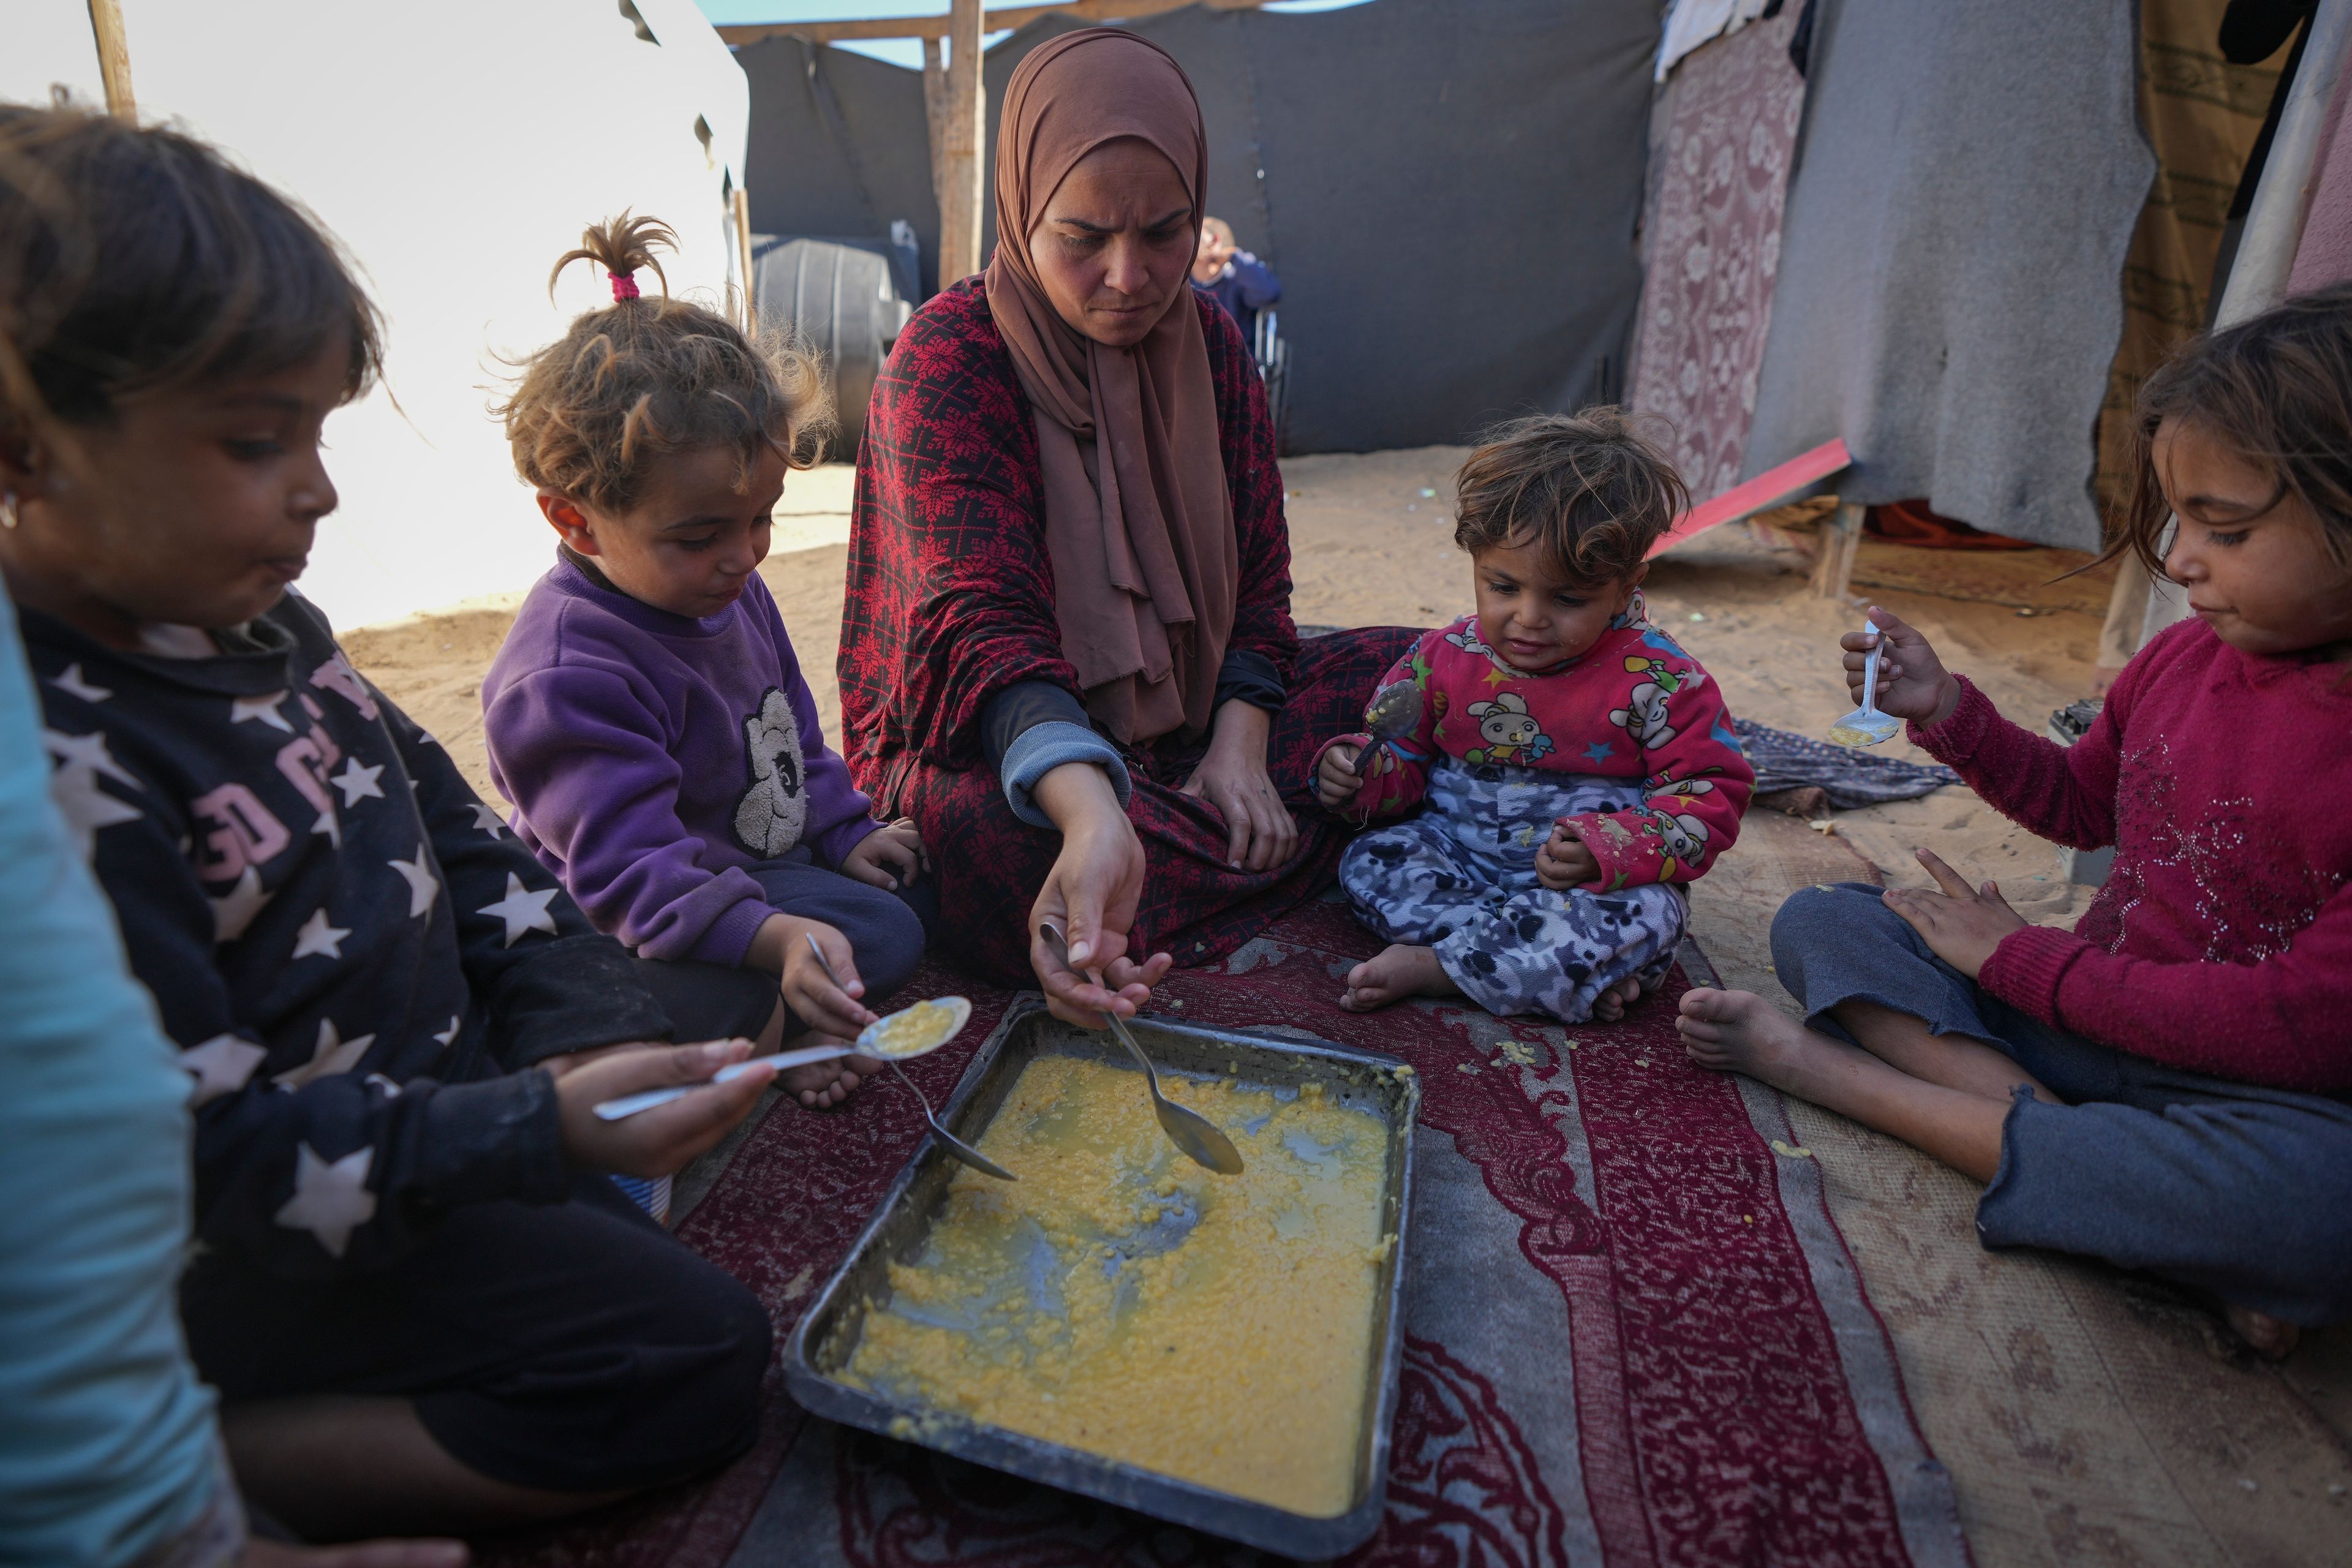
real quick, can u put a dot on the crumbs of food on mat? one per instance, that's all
(1748, 1220)
(1641, 1061)
(1822, 825)
(1468, 1066)
(1519, 1051)
(1782, 1146)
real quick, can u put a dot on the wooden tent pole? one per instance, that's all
(935, 119)
(962, 140)
(113, 59)
(741, 202)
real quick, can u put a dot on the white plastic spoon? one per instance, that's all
(1866, 726)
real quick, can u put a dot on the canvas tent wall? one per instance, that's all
(1448, 190)
(456, 148)
(1967, 183)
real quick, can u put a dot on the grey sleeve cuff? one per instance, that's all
(1040, 749)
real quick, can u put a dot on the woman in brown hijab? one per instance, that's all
(1068, 651)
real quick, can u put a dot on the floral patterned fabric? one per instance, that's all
(1719, 169)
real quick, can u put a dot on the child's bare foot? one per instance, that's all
(1738, 1031)
(1398, 973)
(1610, 1005)
(2264, 1335)
(822, 1084)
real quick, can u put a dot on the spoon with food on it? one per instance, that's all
(1866, 726)
(912, 1032)
(1189, 1130)
(1394, 713)
(899, 1037)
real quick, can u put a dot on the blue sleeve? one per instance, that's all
(1033, 727)
(1259, 286)
(108, 1451)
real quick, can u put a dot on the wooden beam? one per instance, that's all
(741, 203)
(1766, 491)
(935, 111)
(113, 59)
(960, 173)
(997, 21)
(1841, 537)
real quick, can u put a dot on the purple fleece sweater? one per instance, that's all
(651, 758)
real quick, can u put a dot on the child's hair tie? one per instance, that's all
(625, 286)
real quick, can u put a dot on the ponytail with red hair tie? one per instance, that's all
(625, 286)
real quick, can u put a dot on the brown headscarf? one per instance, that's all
(1139, 523)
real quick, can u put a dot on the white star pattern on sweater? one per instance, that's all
(74, 785)
(329, 824)
(331, 1197)
(488, 820)
(334, 1054)
(222, 1065)
(522, 910)
(423, 887)
(71, 681)
(242, 709)
(358, 783)
(233, 910)
(448, 1036)
(318, 939)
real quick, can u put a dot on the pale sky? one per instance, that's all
(898, 51)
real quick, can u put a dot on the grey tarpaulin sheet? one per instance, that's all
(1450, 190)
(1949, 299)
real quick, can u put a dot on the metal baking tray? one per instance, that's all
(828, 1333)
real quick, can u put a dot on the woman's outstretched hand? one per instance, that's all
(1961, 925)
(1912, 681)
(1091, 892)
(1260, 832)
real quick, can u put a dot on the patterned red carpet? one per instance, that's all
(1633, 1335)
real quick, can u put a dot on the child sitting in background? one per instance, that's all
(2170, 1085)
(1574, 766)
(646, 715)
(421, 1305)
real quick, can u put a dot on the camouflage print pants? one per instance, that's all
(1461, 877)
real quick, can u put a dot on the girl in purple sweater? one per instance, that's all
(646, 715)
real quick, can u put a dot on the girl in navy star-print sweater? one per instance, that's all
(422, 1305)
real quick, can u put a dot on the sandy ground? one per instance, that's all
(2084, 1417)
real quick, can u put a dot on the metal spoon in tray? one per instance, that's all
(1189, 1130)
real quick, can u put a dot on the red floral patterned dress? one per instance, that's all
(951, 600)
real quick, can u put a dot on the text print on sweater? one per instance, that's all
(352, 952)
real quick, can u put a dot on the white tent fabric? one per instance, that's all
(456, 148)
(1690, 23)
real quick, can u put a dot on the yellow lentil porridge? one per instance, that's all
(915, 1029)
(1121, 1301)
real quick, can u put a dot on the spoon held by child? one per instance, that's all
(912, 1032)
(1866, 726)
(1394, 713)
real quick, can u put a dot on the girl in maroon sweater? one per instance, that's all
(2169, 1086)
